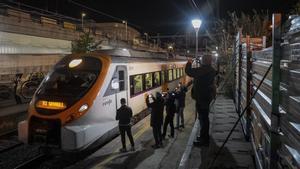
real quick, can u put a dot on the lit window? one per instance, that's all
(138, 84)
(163, 77)
(174, 74)
(170, 77)
(148, 80)
(156, 79)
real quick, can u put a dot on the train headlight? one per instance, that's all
(83, 108)
(75, 63)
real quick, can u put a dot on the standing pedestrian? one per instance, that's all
(170, 110)
(124, 115)
(157, 110)
(180, 96)
(203, 92)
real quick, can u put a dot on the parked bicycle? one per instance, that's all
(29, 86)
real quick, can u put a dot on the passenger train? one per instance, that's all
(76, 103)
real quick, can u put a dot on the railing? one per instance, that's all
(272, 122)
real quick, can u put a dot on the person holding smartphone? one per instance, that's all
(156, 121)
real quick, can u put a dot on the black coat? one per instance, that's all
(170, 104)
(157, 111)
(180, 96)
(203, 85)
(124, 115)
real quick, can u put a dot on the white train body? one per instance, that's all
(76, 125)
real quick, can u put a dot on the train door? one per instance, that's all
(121, 75)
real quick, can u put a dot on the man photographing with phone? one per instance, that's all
(203, 91)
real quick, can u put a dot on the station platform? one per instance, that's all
(177, 152)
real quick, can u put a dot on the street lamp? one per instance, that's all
(196, 24)
(82, 16)
(125, 22)
(146, 34)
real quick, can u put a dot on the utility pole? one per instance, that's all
(126, 36)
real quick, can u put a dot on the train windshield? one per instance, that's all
(71, 78)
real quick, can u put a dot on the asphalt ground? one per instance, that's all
(167, 157)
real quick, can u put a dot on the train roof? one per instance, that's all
(124, 54)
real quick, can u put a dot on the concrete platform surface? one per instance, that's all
(145, 157)
(237, 153)
(179, 152)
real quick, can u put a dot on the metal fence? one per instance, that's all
(272, 122)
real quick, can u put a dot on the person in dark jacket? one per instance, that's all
(180, 96)
(203, 92)
(170, 109)
(157, 110)
(124, 115)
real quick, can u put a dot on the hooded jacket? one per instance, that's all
(203, 85)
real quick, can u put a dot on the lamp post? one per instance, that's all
(146, 34)
(82, 16)
(196, 24)
(125, 22)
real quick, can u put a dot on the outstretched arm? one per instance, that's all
(200, 71)
(188, 69)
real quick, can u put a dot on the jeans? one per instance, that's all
(180, 116)
(157, 134)
(203, 112)
(126, 129)
(168, 120)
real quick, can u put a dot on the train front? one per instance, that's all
(65, 95)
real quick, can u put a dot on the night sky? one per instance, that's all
(158, 16)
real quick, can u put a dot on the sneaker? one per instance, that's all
(201, 143)
(171, 136)
(177, 128)
(155, 146)
(123, 150)
(132, 149)
(182, 126)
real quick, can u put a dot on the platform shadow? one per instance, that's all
(225, 160)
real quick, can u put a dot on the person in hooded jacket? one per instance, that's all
(157, 110)
(170, 110)
(180, 97)
(203, 92)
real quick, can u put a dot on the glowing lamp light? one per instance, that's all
(75, 63)
(196, 23)
(52, 105)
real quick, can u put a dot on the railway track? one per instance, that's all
(32, 163)
(9, 141)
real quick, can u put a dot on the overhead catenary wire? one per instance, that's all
(103, 13)
(238, 120)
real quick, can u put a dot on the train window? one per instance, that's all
(181, 72)
(137, 84)
(156, 79)
(177, 72)
(174, 74)
(121, 80)
(71, 83)
(148, 80)
(170, 75)
(163, 77)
